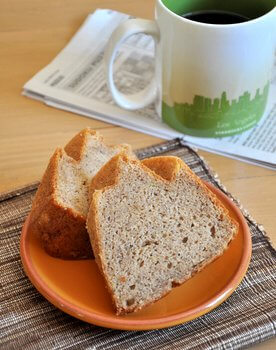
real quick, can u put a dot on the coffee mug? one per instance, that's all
(212, 69)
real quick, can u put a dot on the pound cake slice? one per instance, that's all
(60, 205)
(153, 225)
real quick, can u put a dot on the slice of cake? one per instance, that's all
(151, 230)
(60, 205)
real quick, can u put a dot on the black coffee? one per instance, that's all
(215, 17)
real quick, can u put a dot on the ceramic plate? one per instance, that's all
(77, 288)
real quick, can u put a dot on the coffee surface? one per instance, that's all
(215, 17)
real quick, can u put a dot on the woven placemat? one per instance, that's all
(28, 321)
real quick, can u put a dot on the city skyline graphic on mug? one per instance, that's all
(205, 113)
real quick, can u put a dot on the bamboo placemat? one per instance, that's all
(28, 321)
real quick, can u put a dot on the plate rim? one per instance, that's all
(131, 324)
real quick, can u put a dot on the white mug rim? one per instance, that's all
(210, 25)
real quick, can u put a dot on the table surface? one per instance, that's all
(31, 34)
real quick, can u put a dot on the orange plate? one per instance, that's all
(77, 288)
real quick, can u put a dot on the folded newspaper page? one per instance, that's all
(75, 81)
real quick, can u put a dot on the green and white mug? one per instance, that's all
(210, 80)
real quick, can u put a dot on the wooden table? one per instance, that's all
(31, 34)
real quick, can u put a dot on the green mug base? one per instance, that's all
(169, 118)
(218, 117)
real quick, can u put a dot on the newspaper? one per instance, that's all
(75, 81)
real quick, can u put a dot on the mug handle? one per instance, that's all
(121, 33)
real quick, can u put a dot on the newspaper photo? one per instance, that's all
(75, 81)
